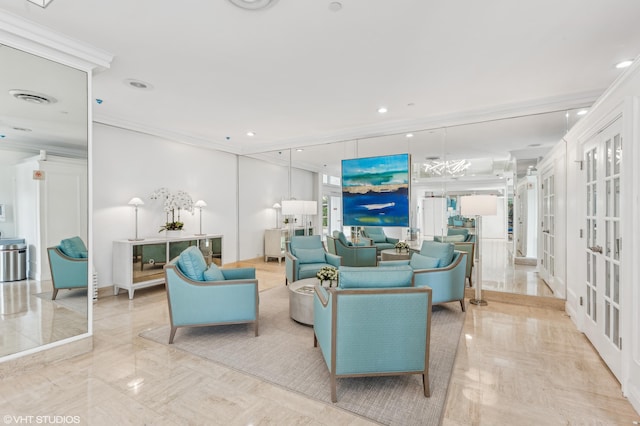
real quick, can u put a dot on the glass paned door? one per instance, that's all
(547, 271)
(602, 160)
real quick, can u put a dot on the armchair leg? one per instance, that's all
(172, 334)
(470, 282)
(315, 340)
(255, 327)
(462, 305)
(54, 294)
(425, 385)
(334, 397)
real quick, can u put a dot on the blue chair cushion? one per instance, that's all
(379, 238)
(374, 277)
(342, 238)
(441, 251)
(310, 255)
(73, 247)
(463, 231)
(419, 261)
(213, 273)
(450, 238)
(192, 264)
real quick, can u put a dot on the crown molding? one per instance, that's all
(42, 41)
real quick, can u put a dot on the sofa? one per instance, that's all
(360, 324)
(201, 296)
(69, 265)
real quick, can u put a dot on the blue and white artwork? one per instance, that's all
(375, 191)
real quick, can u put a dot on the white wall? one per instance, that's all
(8, 160)
(129, 164)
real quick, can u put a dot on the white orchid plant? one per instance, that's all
(174, 203)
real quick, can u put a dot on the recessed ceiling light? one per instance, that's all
(32, 97)
(382, 110)
(299, 150)
(624, 64)
(409, 135)
(335, 6)
(251, 133)
(252, 4)
(534, 145)
(21, 129)
(582, 112)
(138, 84)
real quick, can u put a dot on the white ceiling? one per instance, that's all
(300, 74)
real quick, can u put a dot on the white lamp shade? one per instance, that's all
(276, 206)
(479, 205)
(135, 201)
(292, 207)
(310, 208)
(200, 204)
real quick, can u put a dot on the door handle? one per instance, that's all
(546, 231)
(596, 249)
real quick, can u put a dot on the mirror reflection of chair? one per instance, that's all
(305, 256)
(69, 265)
(351, 255)
(378, 238)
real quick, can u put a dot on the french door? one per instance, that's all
(602, 180)
(547, 270)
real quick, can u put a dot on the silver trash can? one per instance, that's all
(13, 262)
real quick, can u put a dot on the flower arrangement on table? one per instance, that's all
(173, 204)
(327, 273)
(402, 246)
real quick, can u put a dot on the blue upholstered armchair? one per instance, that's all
(69, 265)
(351, 255)
(439, 267)
(305, 256)
(378, 238)
(361, 325)
(201, 296)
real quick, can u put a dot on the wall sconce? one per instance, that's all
(135, 201)
(200, 204)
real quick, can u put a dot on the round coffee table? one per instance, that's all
(392, 254)
(301, 300)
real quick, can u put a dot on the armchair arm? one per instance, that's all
(322, 320)
(67, 272)
(239, 273)
(364, 241)
(332, 259)
(290, 266)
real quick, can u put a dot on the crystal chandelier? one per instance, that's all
(437, 168)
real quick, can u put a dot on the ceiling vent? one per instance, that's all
(253, 4)
(32, 97)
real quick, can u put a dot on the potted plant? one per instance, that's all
(402, 246)
(174, 203)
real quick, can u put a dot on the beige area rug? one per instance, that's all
(73, 299)
(283, 354)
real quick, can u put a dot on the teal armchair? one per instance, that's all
(69, 265)
(305, 256)
(351, 255)
(360, 329)
(447, 281)
(201, 296)
(379, 238)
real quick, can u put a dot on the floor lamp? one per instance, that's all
(135, 201)
(277, 208)
(310, 209)
(200, 204)
(478, 206)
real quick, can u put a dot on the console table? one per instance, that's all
(139, 264)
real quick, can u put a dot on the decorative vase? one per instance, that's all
(174, 233)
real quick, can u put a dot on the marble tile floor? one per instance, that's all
(28, 321)
(515, 365)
